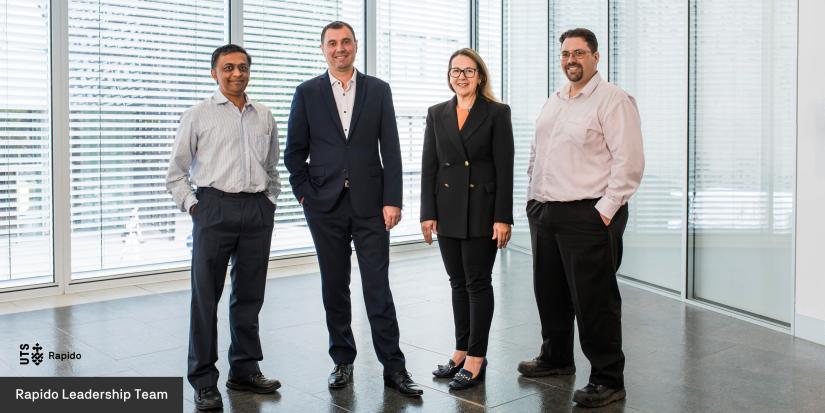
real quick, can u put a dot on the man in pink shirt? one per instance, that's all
(586, 160)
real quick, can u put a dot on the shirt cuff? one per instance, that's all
(271, 198)
(190, 200)
(607, 207)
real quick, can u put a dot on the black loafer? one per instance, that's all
(255, 383)
(539, 368)
(597, 395)
(340, 376)
(464, 379)
(402, 381)
(445, 371)
(208, 398)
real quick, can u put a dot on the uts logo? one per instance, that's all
(35, 356)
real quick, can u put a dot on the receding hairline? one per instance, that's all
(337, 25)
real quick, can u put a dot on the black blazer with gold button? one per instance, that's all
(467, 175)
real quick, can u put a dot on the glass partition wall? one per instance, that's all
(741, 155)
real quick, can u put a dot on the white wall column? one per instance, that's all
(809, 317)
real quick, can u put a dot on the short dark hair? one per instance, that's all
(585, 34)
(227, 49)
(337, 25)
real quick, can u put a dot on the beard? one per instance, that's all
(574, 77)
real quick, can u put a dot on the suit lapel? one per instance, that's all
(477, 115)
(329, 99)
(451, 125)
(360, 97)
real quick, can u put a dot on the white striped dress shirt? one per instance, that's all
(221, 147)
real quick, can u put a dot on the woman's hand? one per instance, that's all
(501, 233)
(428, 228)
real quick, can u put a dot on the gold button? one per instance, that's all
(446, 185)
(472, 186)
(466, 163)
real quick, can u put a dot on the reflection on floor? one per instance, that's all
(679, 357)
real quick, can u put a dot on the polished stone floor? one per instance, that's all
(680, 358)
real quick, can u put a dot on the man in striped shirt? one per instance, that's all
(227, 147)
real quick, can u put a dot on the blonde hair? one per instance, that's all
(484, 89)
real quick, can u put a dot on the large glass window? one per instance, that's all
(532, 29)
(491, 41)
(526, 68)
(414, 42)
(570, 14)
(25, 144)
(133, 68)
(284, 39)
(648, 59)
(741, 170)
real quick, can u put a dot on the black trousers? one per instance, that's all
(332, 232)
(575, 259)
(469, 263)
(235, 227)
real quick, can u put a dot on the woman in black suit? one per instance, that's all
(467, 200)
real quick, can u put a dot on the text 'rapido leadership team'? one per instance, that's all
(344, 161)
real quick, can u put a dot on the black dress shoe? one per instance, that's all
(340, 376)
(464, 379)
(539, 368)
(597, 395)
(445, 371)
(402, 381)
(255, 383)
(208, 398)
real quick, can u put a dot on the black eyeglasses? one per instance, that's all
(578, 54)
(469, 72)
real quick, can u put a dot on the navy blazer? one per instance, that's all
(319, 157)
(467, 174)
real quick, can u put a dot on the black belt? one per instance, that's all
(218, 192)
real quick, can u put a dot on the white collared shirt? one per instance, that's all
(344, 99)
(221, 147)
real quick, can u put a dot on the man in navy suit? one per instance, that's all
(344, 163)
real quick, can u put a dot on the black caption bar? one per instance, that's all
(91, 394)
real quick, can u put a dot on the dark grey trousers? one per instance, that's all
(226, 227)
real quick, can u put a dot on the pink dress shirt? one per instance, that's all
(587, 146)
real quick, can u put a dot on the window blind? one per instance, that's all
(648, 59)
(284, 39)
(414, 43)
(134, 67)
(25, 143)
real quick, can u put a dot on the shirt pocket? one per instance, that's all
(575, 130)
(259, 143)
